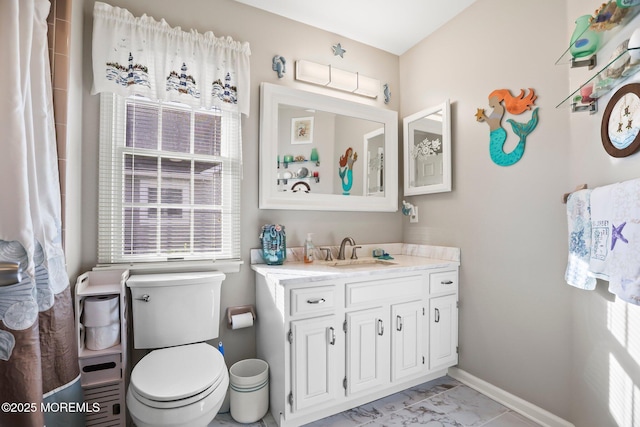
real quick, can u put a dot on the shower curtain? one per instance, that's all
(39, 374)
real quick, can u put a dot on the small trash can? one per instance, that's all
(249, 383)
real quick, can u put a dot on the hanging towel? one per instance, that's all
(579, 221)
(601, 218)
(624, 263)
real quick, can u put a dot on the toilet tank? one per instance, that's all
(175, 308)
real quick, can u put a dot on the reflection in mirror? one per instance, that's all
(374, 171)
(312, 141)
(337, 148)
(427, 146)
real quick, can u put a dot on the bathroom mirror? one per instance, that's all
(427, 151)
(318, 152)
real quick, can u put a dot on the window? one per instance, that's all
(169, 182)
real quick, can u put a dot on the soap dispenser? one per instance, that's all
(308, 249)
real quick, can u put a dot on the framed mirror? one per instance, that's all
(318, 152)
(427, 151)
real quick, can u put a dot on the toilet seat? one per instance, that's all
(177, 376)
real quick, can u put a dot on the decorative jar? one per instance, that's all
(274, 244)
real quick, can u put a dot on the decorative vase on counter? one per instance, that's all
(584, 41)
(274, 244)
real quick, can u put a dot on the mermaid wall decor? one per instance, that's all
(501, 100)
(345, 169)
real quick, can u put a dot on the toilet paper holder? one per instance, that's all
(240, 309)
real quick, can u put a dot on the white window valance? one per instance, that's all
(139, 55)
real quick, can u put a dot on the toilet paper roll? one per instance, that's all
(243, 320)
(101, 310)
(101, 337)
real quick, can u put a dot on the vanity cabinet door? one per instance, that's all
(367, 349)
(407, 340)
(314, 361)
(443, 331)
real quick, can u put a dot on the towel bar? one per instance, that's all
(565, 196)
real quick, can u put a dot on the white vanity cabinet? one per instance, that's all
(314, 361)
(383, 327)
(337, 341)
(443, 319)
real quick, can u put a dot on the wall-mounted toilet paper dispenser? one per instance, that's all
(241, 316)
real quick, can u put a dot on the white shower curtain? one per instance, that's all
(38, 355)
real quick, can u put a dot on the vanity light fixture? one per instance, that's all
(311, 72)
(342, 80)
(335, 78)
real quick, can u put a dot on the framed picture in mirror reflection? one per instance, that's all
(302, 130)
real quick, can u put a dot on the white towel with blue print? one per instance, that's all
(615, 214)
(601, 218)
(579, 221)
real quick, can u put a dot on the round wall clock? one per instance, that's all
(621, 122)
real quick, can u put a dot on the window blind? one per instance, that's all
(169, 182)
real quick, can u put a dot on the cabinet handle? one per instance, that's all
(380, 327)
(398, 323)
(332, 335)
(316, 301)
(446, 282)
(144, 298)
(437, 315)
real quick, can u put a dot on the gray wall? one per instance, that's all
(515, 321)
(522, 328)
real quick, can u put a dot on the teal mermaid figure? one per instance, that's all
(346, 170)
(498, 135)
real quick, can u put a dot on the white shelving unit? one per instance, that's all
(103, 372)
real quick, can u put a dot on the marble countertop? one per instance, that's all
(406, 258)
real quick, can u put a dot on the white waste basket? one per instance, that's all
(249, 383)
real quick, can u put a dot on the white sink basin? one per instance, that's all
(360, 262)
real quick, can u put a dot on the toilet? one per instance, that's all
(183, 381)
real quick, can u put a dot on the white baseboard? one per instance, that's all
(521, 406)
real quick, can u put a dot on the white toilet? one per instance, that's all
(183, 381)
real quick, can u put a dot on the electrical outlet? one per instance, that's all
(414, 217)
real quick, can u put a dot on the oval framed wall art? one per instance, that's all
(620, 130)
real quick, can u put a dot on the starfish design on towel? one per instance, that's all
(616, 233)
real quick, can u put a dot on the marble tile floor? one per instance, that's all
(444, 402)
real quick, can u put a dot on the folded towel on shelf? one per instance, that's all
(579, 221)
(615, 221)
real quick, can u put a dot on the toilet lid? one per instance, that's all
(177, 372)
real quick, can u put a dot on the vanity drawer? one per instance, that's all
(319, 299)
(444, 282)
(380, 291)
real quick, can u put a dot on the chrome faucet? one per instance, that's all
(343, 244)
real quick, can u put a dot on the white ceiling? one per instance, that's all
(391, 25)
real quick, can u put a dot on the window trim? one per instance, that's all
(111, 214)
